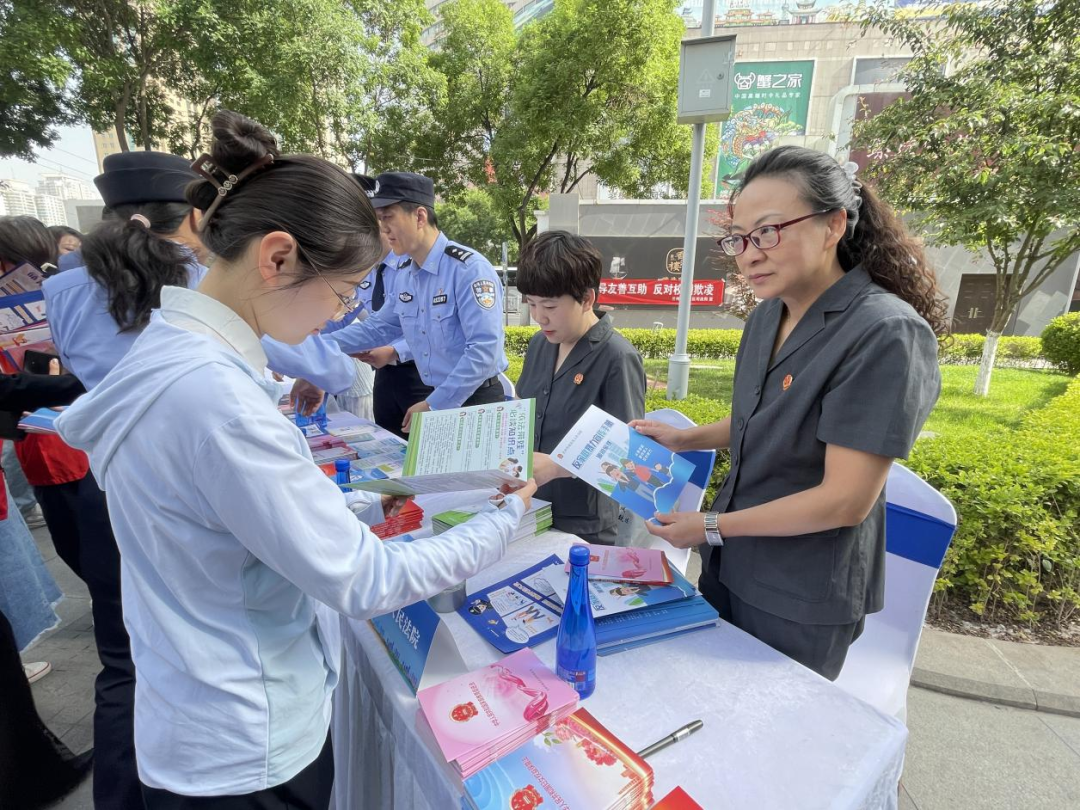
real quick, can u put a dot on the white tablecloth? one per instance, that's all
(776, 735)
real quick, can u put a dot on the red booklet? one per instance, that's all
(678, 799)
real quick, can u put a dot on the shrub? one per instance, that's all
(1061, 342)
(1016, 553)
(717, 344)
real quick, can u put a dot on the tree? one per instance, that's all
(32, 99)
(473, 219)
(588, 89)
(984, 152)
(323, 75)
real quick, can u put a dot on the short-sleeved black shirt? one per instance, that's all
(859, 370)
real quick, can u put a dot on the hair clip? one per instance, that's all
(206, 168)
(850, 169)
(139, 218)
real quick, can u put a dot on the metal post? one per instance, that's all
(678, 381)
(506, 287)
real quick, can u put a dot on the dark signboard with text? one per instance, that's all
(644, 271)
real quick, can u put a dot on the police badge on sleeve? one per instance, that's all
(484, 293)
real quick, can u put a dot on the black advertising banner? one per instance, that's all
(646, 271)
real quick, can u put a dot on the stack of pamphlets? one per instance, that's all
(536, 521)
(577, 763)
(474, 719)
(631, 614)
(478, 447)
(43, 420)
(627, 564)
(407, 520)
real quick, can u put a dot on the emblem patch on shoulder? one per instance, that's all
(365, 284)
(484, 293)
(405, 297)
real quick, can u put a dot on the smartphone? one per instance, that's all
(35, 362)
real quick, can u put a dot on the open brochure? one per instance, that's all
(634, 470)
(479, 447)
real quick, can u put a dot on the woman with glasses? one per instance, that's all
(835, 375)
(229, 534)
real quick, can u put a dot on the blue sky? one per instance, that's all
(72, 154)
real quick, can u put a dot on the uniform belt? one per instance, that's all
(490, 381)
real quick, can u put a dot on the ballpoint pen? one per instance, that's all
(670, 739)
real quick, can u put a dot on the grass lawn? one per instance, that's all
(1013, 392)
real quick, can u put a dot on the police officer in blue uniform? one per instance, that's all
(397, 380)
(445, 300)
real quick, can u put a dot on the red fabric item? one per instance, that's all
(46, 460)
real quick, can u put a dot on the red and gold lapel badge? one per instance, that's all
(787, 382)
(579, 379)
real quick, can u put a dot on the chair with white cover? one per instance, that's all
(919, 525)
(689, 501)
(509, 392)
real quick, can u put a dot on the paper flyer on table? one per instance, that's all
(635, 471)
(479, 447)
(628, 564)
(521, 611)
(18, 312)
(609, 598)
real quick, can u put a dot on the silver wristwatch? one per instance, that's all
(712, 529)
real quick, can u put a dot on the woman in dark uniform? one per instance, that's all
(835, 375)
(577, 359)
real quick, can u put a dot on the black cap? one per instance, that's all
(395, 187)
(367, 183)
(130, 178)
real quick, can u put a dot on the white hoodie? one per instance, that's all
(228, 532)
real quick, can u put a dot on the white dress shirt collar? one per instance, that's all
(199, 313)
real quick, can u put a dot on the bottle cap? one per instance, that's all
(341, 464)
(579, 555)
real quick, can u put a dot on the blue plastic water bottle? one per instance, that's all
(301, 420)
(575, 647)
(342, 473)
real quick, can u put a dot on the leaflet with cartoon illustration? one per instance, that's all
(521, 611)
(609, 597)
(478, 447)
(634, 470)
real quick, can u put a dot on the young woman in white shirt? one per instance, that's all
(229, 534)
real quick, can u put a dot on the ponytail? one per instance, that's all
(133, 261)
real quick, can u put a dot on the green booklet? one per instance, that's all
(479, 447)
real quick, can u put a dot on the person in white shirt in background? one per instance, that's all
(229, 534)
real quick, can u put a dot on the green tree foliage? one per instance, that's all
(327, 76)
(588, 89)
(984, 151)
(472, 218)
(32, 100)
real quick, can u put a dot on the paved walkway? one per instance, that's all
(1033, 755)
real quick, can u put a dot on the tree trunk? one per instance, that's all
(120, 123)
(986, 364)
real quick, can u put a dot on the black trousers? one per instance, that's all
(308, 790)
(36, 768)
(820, 647)
(59, 507)
(79, 513)
(398, 388)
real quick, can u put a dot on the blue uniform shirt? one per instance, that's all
(86, 336)
(90, 343)
(450, 313)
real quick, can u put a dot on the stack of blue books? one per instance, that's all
(638, 627)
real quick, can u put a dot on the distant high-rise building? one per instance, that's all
(50, 209)
(18, 198)
(66, 187)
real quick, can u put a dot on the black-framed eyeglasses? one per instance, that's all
(765, 237)
(349, 303)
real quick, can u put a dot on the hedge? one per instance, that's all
(1016, 552)
(1061, 342)
(724, 343)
